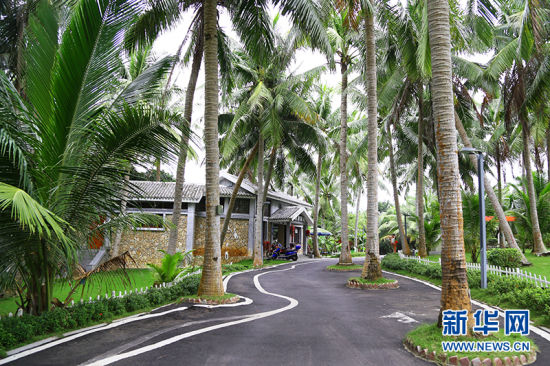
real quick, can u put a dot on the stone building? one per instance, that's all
(285, 220)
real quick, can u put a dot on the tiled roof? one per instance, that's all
(164, 191)
(284, 214)
(290, 213)
(281, 196)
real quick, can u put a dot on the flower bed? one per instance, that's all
(207, 300)
(381, 283)
(345, 267)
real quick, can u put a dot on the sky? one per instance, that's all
(168, 43)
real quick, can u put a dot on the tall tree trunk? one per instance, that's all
(236, 188)
(356, 240)
(157, 169)
(184, 145)
(123, 204)
(503, 224)
(316, 208)
(404, 242)
(422, 251)
(22, 20)
(455, 293)
(371, 267)
(538, 244)
(345, 255)
(272, 157)
(499, 187)
(258, 257)
(211, 283)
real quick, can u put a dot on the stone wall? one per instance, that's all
(236, 240)
(144, 245)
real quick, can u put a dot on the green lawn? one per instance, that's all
(541, 265)
(104, 284)
(100, 285)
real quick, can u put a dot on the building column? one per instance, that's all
(287, 233)
(251, 215)
(190, 233)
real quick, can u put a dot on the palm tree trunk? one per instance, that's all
(272, 157)
(538, 244)
(123, 205)
(404, 243)
(211, 283)
(316, 208)
(499, 186)
(503, 224)
(371, 267)
(184, 144)
(157, 168)
(258, 257)
(345, 255)
(234, 193)
(356, 241)
(455, 293)
(422, 251)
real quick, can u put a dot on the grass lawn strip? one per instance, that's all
(429, 337)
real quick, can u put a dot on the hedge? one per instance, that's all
(504, 257)
(511, 290)
(19, 330)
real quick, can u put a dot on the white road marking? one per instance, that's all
(292, 303)
(532, 328)
(402, 318)
(75, 336)
(115, 323)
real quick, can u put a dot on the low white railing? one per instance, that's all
(537, 280)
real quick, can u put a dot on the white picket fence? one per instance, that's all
(537, 280)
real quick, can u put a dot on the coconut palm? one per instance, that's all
(455, 293)
(342, 36)
(64, 147)
(271, 109)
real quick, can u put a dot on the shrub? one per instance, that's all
(19, 330)
(55, 320)
(135, 302)
(504, 257)
(155, 297)
(116, 306)
(434, 271)
(81, 315)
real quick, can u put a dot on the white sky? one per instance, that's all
(168, 43)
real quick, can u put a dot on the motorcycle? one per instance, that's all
(286, 253)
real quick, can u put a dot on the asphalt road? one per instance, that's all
(301, 314)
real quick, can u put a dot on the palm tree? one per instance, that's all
(341, 36)
(455, 293)
(271, 109)
(371, 267)
(211, 283)
(255, 32)
(65, 146)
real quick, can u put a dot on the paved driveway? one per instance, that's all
(300, 314)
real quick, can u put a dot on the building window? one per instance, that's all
(164, 205)
(267, 209)
(153, 228)
(242, 206)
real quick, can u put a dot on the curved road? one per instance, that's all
(301, 314)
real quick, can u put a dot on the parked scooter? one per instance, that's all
(286, 253)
